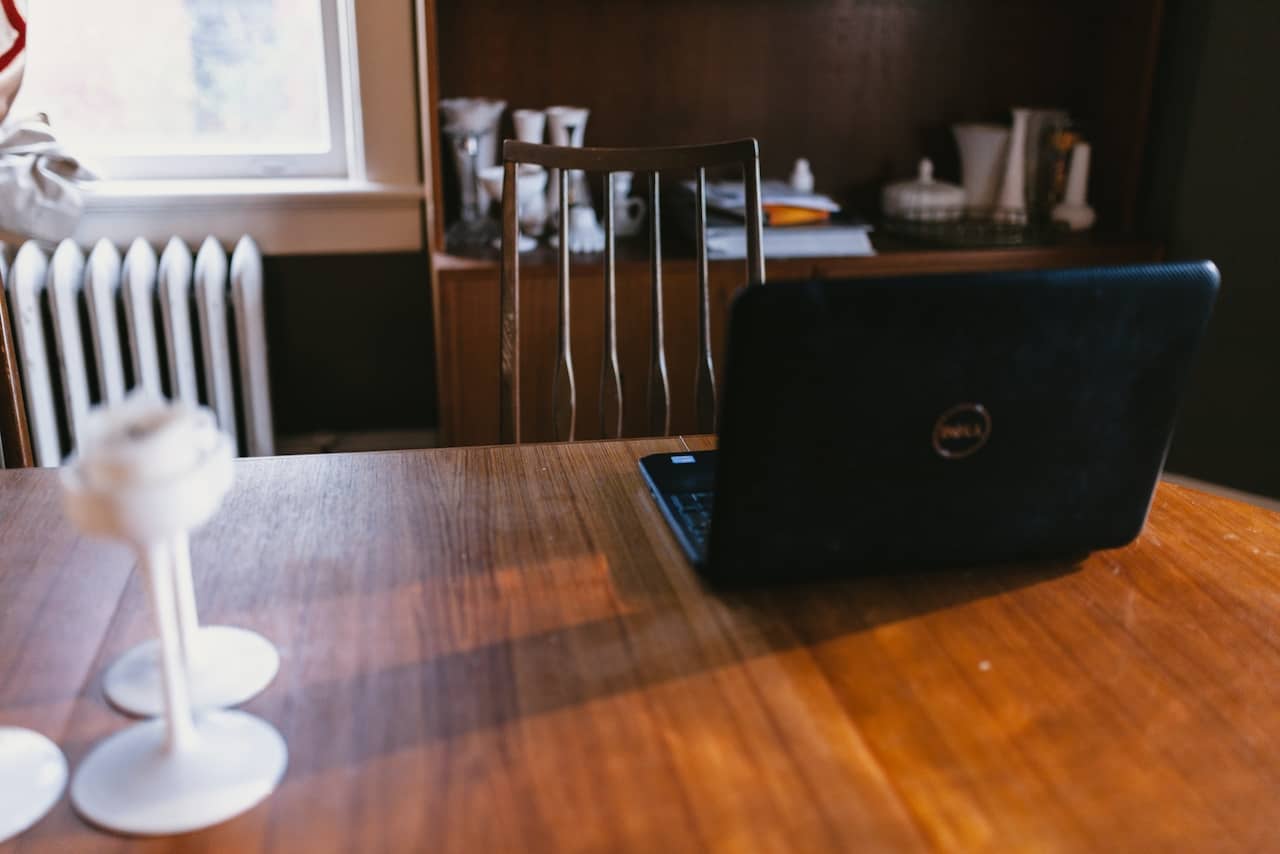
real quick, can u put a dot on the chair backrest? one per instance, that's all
(15, 440)
(654, 161)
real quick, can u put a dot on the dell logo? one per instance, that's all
(961, 431)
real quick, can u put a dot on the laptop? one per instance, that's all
(941, 419)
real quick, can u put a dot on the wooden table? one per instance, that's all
(499, 649)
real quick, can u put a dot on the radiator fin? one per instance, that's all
(26, 292)
(211, 309)
(101, 290)
(66, 278)
(175, 310)
(251, 335)
(138, 291)
(78, 307)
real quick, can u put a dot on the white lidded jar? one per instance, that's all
(923, 199)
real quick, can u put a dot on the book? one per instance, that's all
(794, 241)
(836, 235)
(730, 197)
(789, 215)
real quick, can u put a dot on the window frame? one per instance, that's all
(376, 206)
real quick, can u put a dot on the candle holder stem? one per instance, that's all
(184, 594)
(155, 559)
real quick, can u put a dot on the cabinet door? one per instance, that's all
(468, 347)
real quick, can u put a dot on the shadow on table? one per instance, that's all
(662, 636)
(657, 639)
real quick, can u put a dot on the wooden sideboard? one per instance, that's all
(466, 310)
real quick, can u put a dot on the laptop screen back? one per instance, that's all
(951, 418)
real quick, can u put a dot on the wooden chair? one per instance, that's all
(15, 440)
(653, 161)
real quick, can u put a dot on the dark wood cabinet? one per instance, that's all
(862, 89)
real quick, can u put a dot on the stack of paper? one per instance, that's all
(822, 236)
(793, 241)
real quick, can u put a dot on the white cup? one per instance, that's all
(628, 211)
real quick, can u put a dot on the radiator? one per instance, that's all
(90, 330)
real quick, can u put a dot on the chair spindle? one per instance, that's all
(611, 373)
(659, 388)
(564, 163)
(564, 392)
(705, 373)
(509, 414)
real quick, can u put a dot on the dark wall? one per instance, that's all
(1215, 193)
(862, 89)
(350, 340)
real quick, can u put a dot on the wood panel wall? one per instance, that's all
(863, 88)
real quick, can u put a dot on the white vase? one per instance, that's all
(982, 157)
(1074, 210)
(477, 117)
(1012, 205)
(566, 126)
(530, 125)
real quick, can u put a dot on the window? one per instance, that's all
(273, 99)
(191, 88)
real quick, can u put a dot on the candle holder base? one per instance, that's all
(33, 773)
(231, 667)
(133, 783)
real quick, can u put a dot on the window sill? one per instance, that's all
(285, 216)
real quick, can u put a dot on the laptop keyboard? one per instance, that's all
(693, 512)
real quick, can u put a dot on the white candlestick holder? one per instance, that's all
(33, 773)
(1011, 209)
(148, 474)
(226, 665)
(1074, 210)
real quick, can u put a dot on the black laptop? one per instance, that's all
(923, 420)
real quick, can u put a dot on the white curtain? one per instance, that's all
(38, 193)
(13, 52)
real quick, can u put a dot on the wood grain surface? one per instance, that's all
(502, 649)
